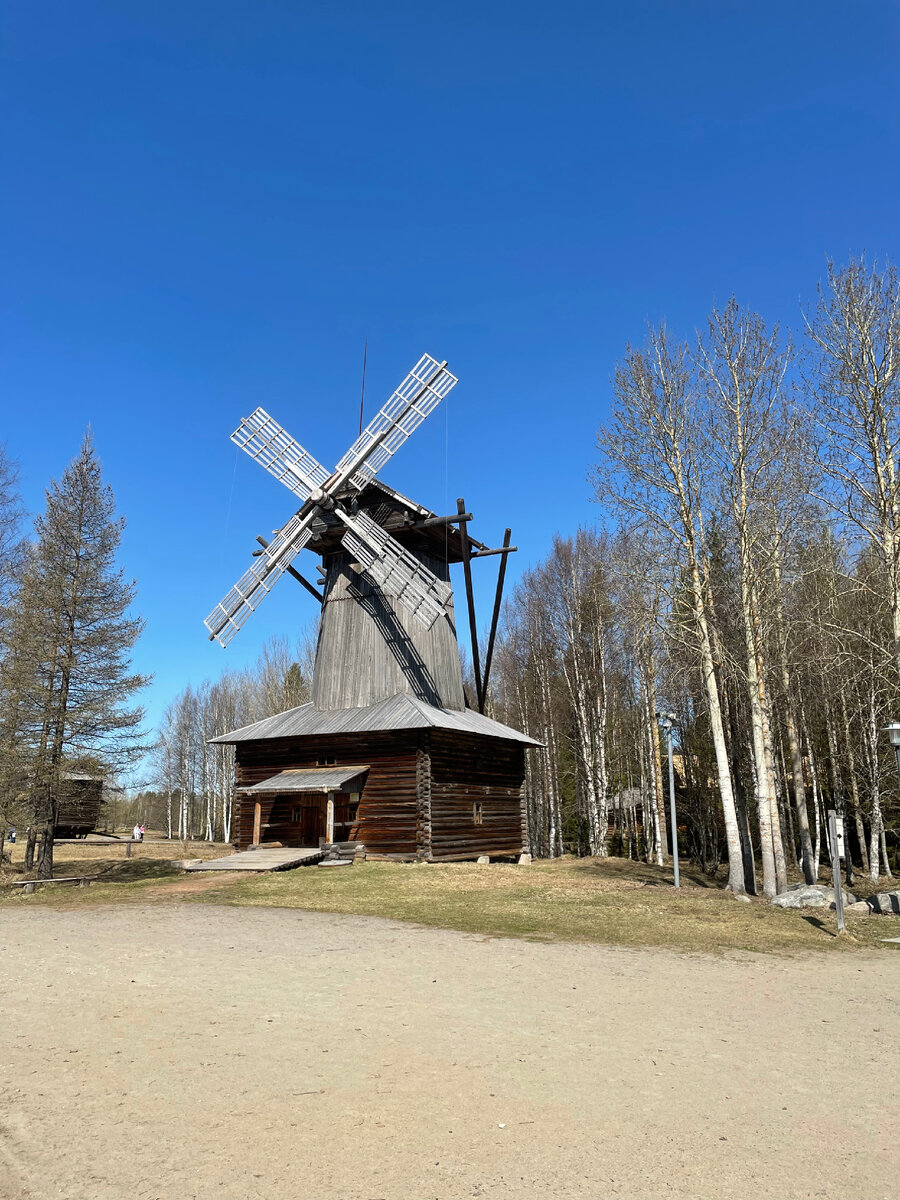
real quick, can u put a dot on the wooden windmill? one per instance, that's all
(358, 761)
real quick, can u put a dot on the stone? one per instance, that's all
(740, 896)
(886, 904)
(524, 859)
(815, 895)
(482, 860)
(859, 909)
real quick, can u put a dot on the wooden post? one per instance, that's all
(836, 870)
(128, 848)
(329, 818)
(470, 598)
(498, 598)
(257, 821)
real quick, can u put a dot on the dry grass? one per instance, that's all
(107, 862)
(610, 901)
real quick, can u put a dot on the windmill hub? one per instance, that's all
(321, 499)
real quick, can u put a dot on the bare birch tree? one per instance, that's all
(655, 469)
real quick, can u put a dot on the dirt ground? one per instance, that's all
(182, 1051)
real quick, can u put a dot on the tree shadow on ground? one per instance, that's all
(818, 923)
(648, 874)
(128, 870)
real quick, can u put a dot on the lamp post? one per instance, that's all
(893, 732)
(667, 721)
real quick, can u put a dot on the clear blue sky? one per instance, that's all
(209, 206)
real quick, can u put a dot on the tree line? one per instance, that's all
(744, 574)
(191, 792)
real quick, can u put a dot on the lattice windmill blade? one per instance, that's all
(260, 436)
(252, 588)
(419, 394)
(395, 570)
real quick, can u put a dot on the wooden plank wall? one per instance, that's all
(242, 821)
(466, 769)
(79, 802)
(387, 819)
(418, 798)
(363, 624)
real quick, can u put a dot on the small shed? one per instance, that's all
(402, 777)
(78, 804)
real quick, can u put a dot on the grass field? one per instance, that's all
(610, 901)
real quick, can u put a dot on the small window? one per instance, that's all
(477, 815)
(325, 762)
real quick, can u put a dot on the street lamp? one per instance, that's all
(667, 721)
(893, 732)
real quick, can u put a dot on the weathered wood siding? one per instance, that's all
(420, 794)
(387, 819)
(465, 771)
(79, 804)
(371, 648)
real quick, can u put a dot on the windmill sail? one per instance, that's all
(419, 394)
(252, 588)
(395, 570)
(273, 448)
(387, 563)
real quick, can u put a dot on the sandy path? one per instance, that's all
(178, 1052)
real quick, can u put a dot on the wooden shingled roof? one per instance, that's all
(313, 779)
(397, 712)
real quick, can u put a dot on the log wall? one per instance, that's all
(467, 770)
(79, 803)
(387, 818)
(419, 799)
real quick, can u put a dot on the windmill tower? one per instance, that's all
(387, 683)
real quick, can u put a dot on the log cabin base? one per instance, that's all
(408, 781)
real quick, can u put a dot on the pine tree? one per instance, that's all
(70, 640)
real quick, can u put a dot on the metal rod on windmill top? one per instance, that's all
(362, 393)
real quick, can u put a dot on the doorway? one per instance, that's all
(297, 820)
(309, 817)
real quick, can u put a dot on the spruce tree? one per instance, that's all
(71, 634)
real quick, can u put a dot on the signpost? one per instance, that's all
(839, 824)
(837, 853)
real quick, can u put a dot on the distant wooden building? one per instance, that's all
(79, 804)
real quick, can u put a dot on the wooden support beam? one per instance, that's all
(498, 599)
(470, 598)
(499, 550)
(295, 574)
(457, 518)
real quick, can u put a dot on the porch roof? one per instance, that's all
(310, 779)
